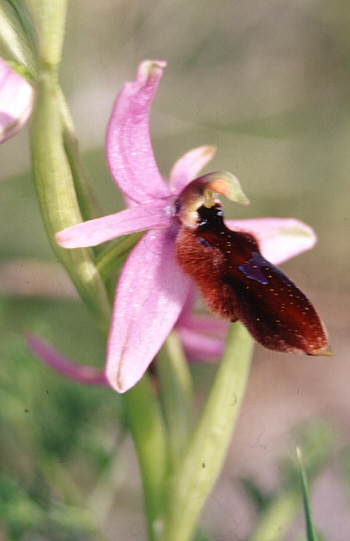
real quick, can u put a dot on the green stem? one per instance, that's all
(56, 194)
(148, 432)
(64, 195)
(49, 18)
(197, 472)
(175, 387)
(60, 208)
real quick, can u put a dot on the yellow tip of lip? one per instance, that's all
(325, 351)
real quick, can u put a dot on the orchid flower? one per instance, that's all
(153, 290)
(16, 101)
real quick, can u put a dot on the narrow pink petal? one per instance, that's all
(188, 167)
(157, 214)
(16, 101)
(279, 238)
(188, 304)
(129, 150)
(200, 347)
(205, 324)
(149, 298)
(50, 356)
(203, 336)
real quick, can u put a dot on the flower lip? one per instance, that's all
(237, 282)
(202, 190)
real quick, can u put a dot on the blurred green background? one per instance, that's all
(268, 83)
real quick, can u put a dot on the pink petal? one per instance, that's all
(157, 214)
(200, 347)
(50, 356)
(188, 304)
(203, 336)
(129, 150)
(205, 324)
(150, 295)
(188, 167)
(279, 238)
(16, 101)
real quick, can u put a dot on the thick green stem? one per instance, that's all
(197, 472)
(49, 18)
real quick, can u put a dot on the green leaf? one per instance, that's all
(17, 35)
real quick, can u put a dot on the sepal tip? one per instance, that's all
(324, 351)
(149, 68)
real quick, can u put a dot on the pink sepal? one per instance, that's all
(279, 238)
(128, 145)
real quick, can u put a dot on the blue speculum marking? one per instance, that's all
(252, 268)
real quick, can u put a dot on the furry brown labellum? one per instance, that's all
(238, 283)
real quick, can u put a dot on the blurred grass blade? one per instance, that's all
(310, 530)
(280, 508)
(276, 519)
